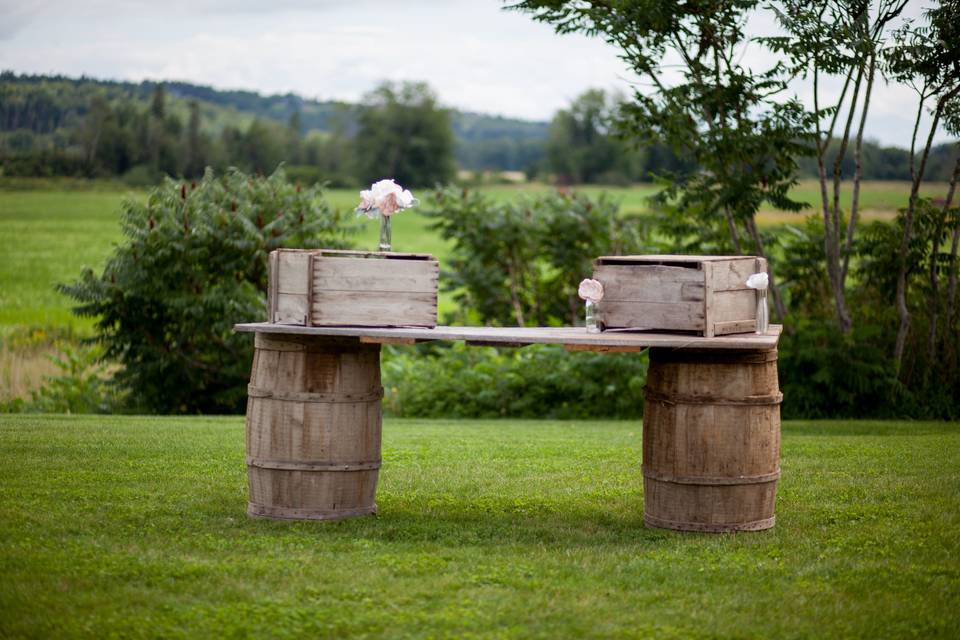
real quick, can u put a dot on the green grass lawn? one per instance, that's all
(136, 527)
(48, 237)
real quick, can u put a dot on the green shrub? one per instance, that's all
(194, 263)
(538, 381)
(519, 262)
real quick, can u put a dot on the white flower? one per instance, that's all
(758, 281)
(384, 188)
(591, 290)
(385, 197)
(366, 200)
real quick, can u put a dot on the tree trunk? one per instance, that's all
(857, 172)
(952, 287)
(778, 303)
(832, 235)
(734, 234)
(828, 232)
(903, 312)
(934, 276)
(515, 294)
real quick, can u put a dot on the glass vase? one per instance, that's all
(385, 233)
(591, 317)
(763, 313)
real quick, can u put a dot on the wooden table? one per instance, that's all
(711, 433)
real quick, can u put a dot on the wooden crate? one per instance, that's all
(327, 287)
(705, 295)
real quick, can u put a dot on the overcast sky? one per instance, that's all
(475, 55)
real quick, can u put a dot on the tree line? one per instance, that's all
(57, 126)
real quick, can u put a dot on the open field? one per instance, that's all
(50, 235)
(136, 527)
(53, 228)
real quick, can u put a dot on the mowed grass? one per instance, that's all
(136, 527)
(50, 235)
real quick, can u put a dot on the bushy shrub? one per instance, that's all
(519, 262)
(538, 381)
(825, 374)
(194, 263)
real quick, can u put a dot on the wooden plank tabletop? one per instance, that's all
(573, 338)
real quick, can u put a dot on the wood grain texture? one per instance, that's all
(704, 294)
(313, 427)
(337, 287)
(652, 283)
(711, 440)
(361, 274)
(374, 309)
(731, 275)
(534, 335)
(674, 316)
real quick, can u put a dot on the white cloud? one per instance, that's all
(475, 55)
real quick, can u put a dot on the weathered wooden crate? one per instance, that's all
(327, 287)
(706, 295)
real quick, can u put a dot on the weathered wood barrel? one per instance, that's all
(313, 427)
(711, 440)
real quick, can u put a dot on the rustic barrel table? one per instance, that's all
(711, 425)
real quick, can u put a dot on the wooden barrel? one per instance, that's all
(711, 440)
(313, 427)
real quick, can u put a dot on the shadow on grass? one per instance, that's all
(593, 527)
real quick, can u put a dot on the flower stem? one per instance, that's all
(385, 233)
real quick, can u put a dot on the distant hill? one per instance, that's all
(44, 104)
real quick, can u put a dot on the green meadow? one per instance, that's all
(135, 527)
(52, 229)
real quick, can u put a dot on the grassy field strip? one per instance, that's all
(49, 236)
(135, 527)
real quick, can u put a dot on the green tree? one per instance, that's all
(155, 126)
(844, 40)
(93, 125)
(192, 264)
(582, 147)
(520, 262)
(294, 139)
(740, 128)
(195, 158)
(404, 134)
(927, 58)
(263, 146)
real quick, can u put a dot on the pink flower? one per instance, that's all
(389, 204)
(591, 290)
(385, 197)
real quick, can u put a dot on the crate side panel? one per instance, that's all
(360, 274)
(375, 308)
(293, 272)
(677, 316)
(650, 283)
(292, 308)
(731, 275)
(730, 306)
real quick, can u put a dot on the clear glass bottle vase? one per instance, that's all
(591, 317)
(763, 312)
(385, 233)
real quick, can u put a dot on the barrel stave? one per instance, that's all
(711, 440)
(313, 427)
